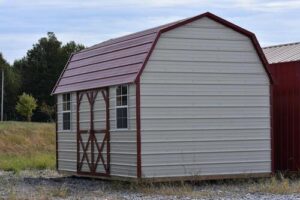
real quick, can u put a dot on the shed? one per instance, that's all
(285, 69)
(185, 99)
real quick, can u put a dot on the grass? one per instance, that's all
(26, 145)
(279, 185)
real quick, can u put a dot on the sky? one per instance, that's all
(23, 22)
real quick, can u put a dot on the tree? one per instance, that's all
(26, 105)
(11, 87)
(48, 110)
(41, 67)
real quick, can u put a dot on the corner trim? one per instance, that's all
(138, 130)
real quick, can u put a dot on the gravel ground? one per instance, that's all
(47, 184)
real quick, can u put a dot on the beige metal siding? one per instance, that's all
(67, 146)
(205, 104)
(123, 142)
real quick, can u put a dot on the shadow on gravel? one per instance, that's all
(72, 183)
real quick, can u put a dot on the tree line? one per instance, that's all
(36, 74)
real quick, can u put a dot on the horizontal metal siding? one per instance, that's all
(123, 142)
(207, 169)
(205, 104)
(205, 56)
(206, 67)
(67, 146)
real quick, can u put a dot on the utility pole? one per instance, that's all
(2, 94)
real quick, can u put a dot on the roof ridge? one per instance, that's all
(80, 74)
(282, 45)
(155, 29)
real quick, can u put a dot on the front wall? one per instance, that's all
(205, 104)
(123, 142)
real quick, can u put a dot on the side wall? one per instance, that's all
(205, 104)
(123, 142)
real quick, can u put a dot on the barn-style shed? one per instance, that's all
(189, 98)
(285, 69)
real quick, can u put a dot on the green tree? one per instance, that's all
(26, 105)
(41, 67)
(12, 86)
(48, 110)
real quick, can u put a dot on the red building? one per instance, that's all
(284, 67)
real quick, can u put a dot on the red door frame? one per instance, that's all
(92, 139)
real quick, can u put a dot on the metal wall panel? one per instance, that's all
(205, 104)
(123, 142)
(67, 146)
(286, 112)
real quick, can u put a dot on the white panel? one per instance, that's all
(204, 45)
(165, 112)
(204, 56)
(184, 134)
(205, 33)
(205, 157)
(69, 166)
(204, 67)
(205, 145)
(200, 89)
(204, 78)
(205, 104)
(202, 100)
(206, 23)
(123, 170)
(207, 169)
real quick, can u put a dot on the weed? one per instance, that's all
(62, 192)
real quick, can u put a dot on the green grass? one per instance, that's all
(26, 145)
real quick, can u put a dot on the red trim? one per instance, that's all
(147, 57)
(108, 130)
(272, 130)
(56, 135)
(138, 130)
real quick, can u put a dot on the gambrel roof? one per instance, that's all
(283, 53)
(122, 60)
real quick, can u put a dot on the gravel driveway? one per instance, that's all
(47, 184)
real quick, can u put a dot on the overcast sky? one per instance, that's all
(23, 22)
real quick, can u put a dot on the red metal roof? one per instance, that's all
(122, 60)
